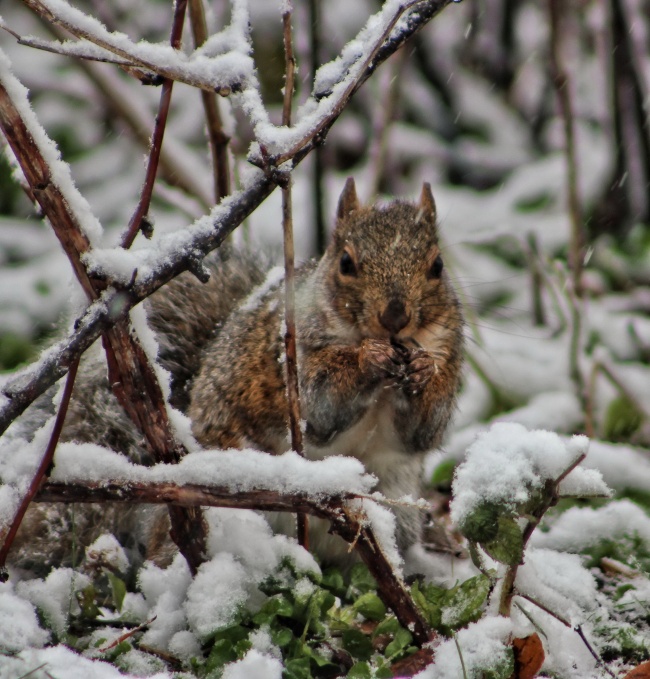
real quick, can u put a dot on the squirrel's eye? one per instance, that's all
(347, 266)
(436, 268)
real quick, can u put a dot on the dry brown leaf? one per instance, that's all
(529, 656)
(413, 664)
(641, 671)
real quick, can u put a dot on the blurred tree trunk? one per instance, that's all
(626, 201)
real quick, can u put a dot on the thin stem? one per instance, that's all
(316, 135)
(139, 219)
(385, 114)
(43, 468)
(318, 176)
(217, 138)
(550, 496)
(293, 395)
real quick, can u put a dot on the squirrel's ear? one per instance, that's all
(348, 202)
(427, 204)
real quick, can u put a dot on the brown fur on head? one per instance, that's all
(386, 275)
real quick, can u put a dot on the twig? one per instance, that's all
(139, 218)
(380, 51)
(168, 658)
(217, 138)
(544, 608)
(536, 280)
(43, 468)
(550, 496)
(293, 395)
(181, 71)
(383, 119)
(460, 655)
(127, 635)
(318, 176)
(347, 522)
(119, 100)
(562, 88)
(597, 658)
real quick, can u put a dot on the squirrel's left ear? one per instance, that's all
(427, 204)
(348, 202)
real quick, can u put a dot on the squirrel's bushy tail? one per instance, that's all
(185, 314)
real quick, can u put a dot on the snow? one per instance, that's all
(254, 665)
(507, 462)
(19, 628)
(164, 591)
(59, 170)
(560, 582)
(483, 645)
(107, 551)
(215, 595)
(579, 528)
(528, 366)
(60, 661)
(236, 470)
(55, 595)
(215, 72)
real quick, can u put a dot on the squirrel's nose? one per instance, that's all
(394, 317)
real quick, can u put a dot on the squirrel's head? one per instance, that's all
(386, 273)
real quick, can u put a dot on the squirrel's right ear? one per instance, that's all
(348, 202)
(427, 204)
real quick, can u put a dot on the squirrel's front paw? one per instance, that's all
(420, 367)
(381, 359)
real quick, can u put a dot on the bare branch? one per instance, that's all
(293, 395)
(42, 470)
(217, 138)
(138, 220)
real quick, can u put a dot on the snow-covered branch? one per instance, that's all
(224, 64)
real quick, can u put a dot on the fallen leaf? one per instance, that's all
(529, 656)
(641, 671)
(413, 664)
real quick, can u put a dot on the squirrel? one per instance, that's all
(379, 334)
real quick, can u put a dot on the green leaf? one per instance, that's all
(118, 590)
(388, 626)
(222, 652)
(503, 667)
(507, 547)
(361, 579)
(277, 605)
(370, 606)
(86, 600)
(481, 525)
(360, 670)
(464, 603)
(443, 474)
(622, 419)
(298, 668)
(333, 580)
(281, 636)
(401, 642)
(429, 600)
(357, 644)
